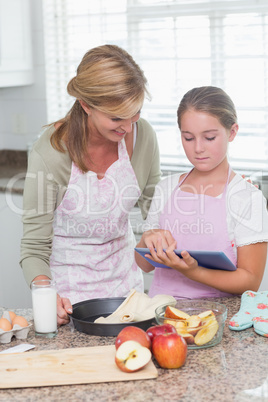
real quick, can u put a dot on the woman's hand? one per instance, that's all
(250, 181)
(64, 307)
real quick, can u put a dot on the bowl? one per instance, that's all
(200, 322)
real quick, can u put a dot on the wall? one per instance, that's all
(14, 292)
(23, 109)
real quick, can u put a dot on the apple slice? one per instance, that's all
(193, 323)
(180, 325)
(209, 321)
(207, 317)
(189, 338)
(173, 312)
(206, 313)
(171, 322)
(208, 332)
(132, 356)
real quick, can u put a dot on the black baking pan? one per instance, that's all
(86, 312)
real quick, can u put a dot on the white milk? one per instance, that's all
(45, 309)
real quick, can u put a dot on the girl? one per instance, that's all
(210, 208)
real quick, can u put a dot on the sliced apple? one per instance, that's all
(208, 332)
(205, 314)
(180, 325)
(208, 321)
(189, 338)
(172, 322)
(193, 323)
(173, 312)
(132, 356)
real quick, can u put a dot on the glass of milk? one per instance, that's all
(44, 300)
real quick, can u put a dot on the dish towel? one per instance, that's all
(253, 312)
(137, 307)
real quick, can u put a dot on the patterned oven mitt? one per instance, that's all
(253, 311)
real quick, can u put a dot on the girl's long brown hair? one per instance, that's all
(107, 79)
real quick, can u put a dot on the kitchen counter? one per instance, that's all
(13, 167)
(235, 370)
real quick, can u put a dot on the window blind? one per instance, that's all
(179, 45)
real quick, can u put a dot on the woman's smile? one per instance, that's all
(120, 133)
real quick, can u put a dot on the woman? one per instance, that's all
(85, 174)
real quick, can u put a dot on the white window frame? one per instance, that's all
(58, 68)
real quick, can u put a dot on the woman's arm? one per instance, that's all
(146, 164)
(45, 184)
(39, 201)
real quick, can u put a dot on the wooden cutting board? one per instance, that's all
(66, 366)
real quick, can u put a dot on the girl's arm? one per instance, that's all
(141, 262)
(249, 216)
(251, 260)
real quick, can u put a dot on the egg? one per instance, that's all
(5, 324)
(12, 315)
(21, 321)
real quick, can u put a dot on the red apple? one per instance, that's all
(132, 333)
(160, 329)
(132, 356)
(170, 350)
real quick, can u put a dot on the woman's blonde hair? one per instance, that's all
(210, 100)
(107, 79)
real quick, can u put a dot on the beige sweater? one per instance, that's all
(45, 185)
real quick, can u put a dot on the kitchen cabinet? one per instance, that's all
(14, 292)
(16, 66)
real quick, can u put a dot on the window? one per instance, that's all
(179, 44)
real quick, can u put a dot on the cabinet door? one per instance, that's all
(14, 292)
(16, 66)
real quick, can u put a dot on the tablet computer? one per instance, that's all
(207, 259)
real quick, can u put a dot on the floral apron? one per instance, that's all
(197, 222)
(93, 244)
